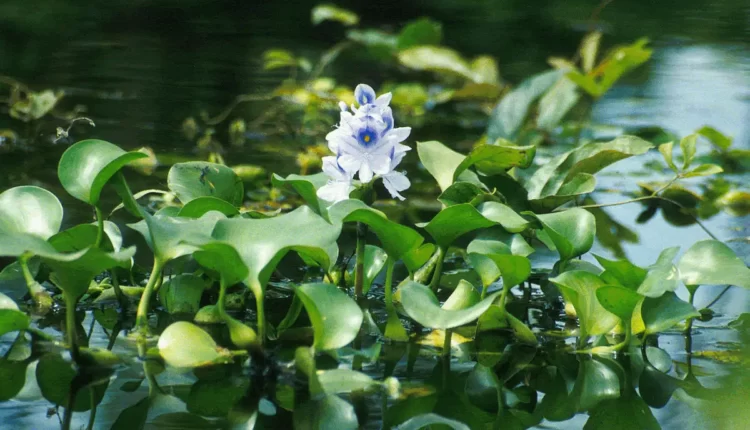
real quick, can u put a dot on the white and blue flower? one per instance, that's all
(366, 143)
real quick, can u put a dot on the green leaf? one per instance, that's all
(397, 240)
(619, 300)
(510, 113)
(595, 383)
(215, 398)
(663, 312)
(422, 31)
(202, 179)
(666, 152)
(171, 237)
(687, 146)
(306, 187)
(88, 165)
(483, 388)
(588, 50)
(461, 192)
(590, 158)
(182, 293)
(336, 381)
(54, 375)
(12, 320)
(375, 259)
(437, 59)
(622, 272)
(330, 412)
(429, 420)
(74, 272)
(223, 259)
(624, 413)
(203, 349)
(263, 242)
(556, 103)
(703, 170)
(717, 138)
(440, 161)
(497, 158)
(504, 216)
(335, 317)
(13, 374)
(710, 262)
(579, 289)
(133, 417)
(455, 221)
(30, 210)
(619, 61)
(572, 231)
(662, 276)
(421, 305)
(496, 240)
(199, 206)
(329, 12)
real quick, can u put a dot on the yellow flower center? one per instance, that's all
(367, 138)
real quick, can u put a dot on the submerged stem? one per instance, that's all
(141, 318)
(389, 265)
(359, 269)
(92, 415)
(70, 325)
(435, 281)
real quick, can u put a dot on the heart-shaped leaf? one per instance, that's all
(619, 300)
(30, 210)
(73, 275)
(87, 166)
(215, 398)
(335, 317)
(306, 187)
(595, 383)
(710, 262)
(330, 412)
(195, 179)
(374, 262)
(579, 289)
(663, 312)
(421, 305)
(11, 319)
(13, 374)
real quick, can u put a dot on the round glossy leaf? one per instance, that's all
(624, 413)
(664, 312)
(215, 398)
(88, 165)
(504, 216)
(12, 320)
(55, 375)
(183, 344)
(579, 288)
(513, 268)
(263, 242)
(74, 275)
(30, 210)
(330, 412)
(485, 267)
(196, 179)
(13, 375)
(572, 231)
(710, 262)
(455, 221)
(397, 240)
(182, 293)
(595, 382)
(335, 317)
(619, 300)
(483, 388)
(198, 207)
(223, 259)
(375, 259)
(421, 305)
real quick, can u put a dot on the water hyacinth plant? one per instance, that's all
(222, 315)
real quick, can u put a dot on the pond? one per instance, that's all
(604, 327)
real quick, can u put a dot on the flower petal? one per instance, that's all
(364, 94)
(383, 100)
(365, 173)
(335, 191)
(395, 182)
(333, 170)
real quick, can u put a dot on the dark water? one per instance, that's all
(141, 67)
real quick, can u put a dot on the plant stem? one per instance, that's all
(718, 296)
(68, 415)
(38, 293)
(260, 308)
(121, 299)
(435, 281)
(503, 295)
(70, 325)
(141, 318)
(389, 265)
(92, 415)
(359, 269)
(447, 342)
(221, 305)
(99, 226)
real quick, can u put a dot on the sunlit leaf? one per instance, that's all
(619, 61)
(88, 165)
(666, 152)
(687, 146)
(422, 306)
(74, 275)
(710, 262)
(619, 300)
(556, 103)
(588, 50)
(572, 231)
(579, 288)
(203, 349)
(664, 312)
(336, 381)
(329, 12)
(194, 179)
(436, 59)
(198, 207)
(717, 138)
(336, 317)
(30, 210)
(305, 186)
(703, 170)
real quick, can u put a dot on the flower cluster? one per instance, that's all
(365, 143)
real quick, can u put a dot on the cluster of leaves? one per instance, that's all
(208, 245)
